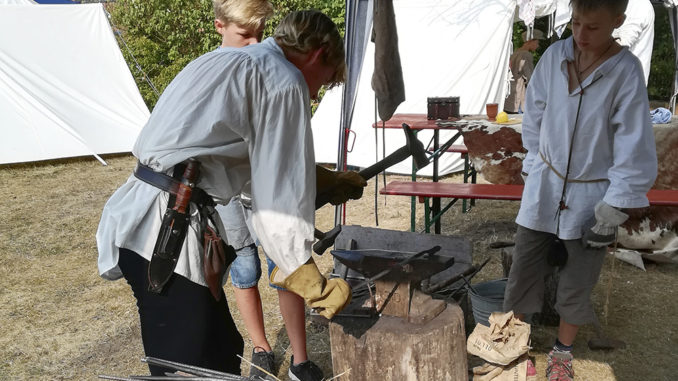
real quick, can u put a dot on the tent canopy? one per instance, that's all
(65, 89)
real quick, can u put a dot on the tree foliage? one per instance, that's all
(660, 83)
(165, 35)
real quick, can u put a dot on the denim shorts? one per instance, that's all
(271, 266)
(246, 268)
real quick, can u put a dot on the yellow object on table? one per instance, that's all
(502, 117)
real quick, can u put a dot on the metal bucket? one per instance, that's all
(487, 297)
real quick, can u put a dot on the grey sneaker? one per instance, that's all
(264, 360)
(304, 371)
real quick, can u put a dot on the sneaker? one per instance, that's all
(559, 367)
(305, 371)
(265, 361)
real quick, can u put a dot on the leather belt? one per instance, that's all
(169, 184)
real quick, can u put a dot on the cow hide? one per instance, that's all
(496, 152)
(654, 233)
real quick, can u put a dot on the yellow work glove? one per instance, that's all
(326, 296)
(339, 186)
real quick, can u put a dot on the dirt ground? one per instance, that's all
(60, 321)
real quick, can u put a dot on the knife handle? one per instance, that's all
(186, 186)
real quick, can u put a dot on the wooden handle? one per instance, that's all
(186, 187)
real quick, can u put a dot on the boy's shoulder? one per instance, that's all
(264, 60)
(269, 60)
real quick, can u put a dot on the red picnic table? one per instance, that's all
(508, 192)
(419, 122)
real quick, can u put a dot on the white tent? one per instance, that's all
(447, 48)
(65, 89)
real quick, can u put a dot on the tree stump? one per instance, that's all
(391, 348)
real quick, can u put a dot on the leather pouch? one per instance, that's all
(557, 253)
(217, 257)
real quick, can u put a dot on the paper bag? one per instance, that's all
(505, 340)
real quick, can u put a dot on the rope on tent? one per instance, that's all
(118, 34)
(376, 157)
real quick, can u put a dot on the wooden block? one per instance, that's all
(391, 348)
(392, 298)
(423, 308)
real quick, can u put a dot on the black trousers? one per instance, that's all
(183, 323)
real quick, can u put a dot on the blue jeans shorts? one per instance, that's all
(271, 266)
(246, 268)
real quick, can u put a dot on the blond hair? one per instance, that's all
(304, 31)
(249, 14)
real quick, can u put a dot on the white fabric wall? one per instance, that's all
(65, 89)
(15, 2)
(637, 32)
(447, 48)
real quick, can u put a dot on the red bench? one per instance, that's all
(458, 148)
(456, 191)
(469, 171)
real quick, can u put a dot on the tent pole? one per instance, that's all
(102, 161)
(358, 19)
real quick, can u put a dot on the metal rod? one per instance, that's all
(196, 370)
(402, 263)
(115, 378)
(180, 378)
(470, 272)
(469, 284)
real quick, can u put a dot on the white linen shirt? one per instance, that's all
(614, 141)
(244, 114)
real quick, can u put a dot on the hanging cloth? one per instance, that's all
(387, 80)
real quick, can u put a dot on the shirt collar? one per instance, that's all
(270, 43)
(602, 70)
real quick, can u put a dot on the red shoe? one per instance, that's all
(559, 367)
(531, 371)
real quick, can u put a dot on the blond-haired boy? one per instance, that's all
(241, 22)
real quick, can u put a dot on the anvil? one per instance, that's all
(397, 275)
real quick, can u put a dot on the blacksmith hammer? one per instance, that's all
(413, 147)
(325, 240)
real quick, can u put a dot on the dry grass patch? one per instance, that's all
(60, 320)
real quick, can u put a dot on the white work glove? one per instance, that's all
(608, 218)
